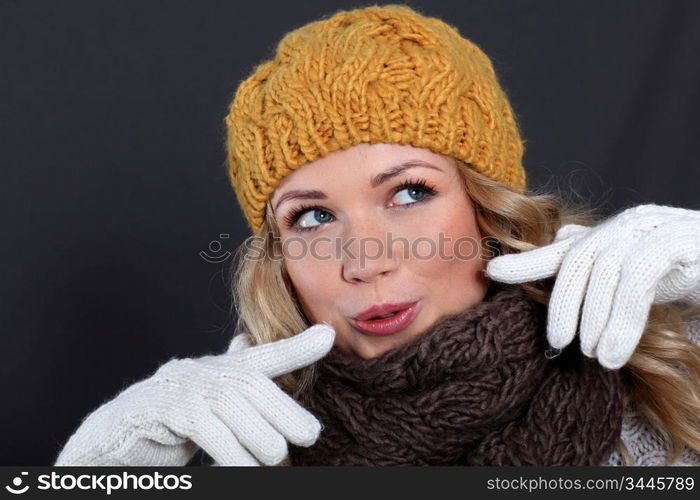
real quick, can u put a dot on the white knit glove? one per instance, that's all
(226, 404)
(646, 254)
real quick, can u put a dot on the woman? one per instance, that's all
(399, 283)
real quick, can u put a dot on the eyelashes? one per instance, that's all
(295, 214)
(421, 185)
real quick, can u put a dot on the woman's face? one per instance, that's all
(378, 224)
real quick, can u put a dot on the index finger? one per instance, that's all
(531, 265)
(287, 355)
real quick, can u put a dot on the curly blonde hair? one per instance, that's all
(662, 378)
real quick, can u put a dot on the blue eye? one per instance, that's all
(307, 219)
(302, 218)
(416, 192)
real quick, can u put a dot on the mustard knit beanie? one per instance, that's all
(379, 74)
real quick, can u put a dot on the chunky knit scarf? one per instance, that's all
(474, 389)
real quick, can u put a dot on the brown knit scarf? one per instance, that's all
(474, 389)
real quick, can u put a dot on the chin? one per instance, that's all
(368, 347)
(369, 352)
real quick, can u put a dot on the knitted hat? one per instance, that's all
(379, 74)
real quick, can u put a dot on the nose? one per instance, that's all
(368, 254)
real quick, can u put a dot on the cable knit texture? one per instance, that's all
(474, 389)
(377, 74)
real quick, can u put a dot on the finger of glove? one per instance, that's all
(211, 376)
(214, 437)
(286, 355)
(239, 342)
(682, 281)
(574, 278)
(569, 289)
(532, 265)
(571, 231)
(638, 281)
(600, 293)
(628, 319)
(293, 421)
(250, 428)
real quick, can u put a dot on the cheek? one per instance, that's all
(448, 230)
(454, 249)
(455, 259)
(462, 240)
(313, 281)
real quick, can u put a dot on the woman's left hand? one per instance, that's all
(611, 274)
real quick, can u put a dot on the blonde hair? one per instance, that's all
(662, 378)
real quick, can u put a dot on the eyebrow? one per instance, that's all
(315, 194)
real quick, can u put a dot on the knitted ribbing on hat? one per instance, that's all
(475, 389)
(380, 74)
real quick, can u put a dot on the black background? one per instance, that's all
(113, 178)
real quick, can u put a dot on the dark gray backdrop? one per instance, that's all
(112, 173)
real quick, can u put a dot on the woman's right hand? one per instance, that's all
(226, 404)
